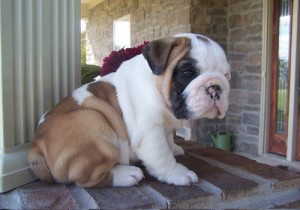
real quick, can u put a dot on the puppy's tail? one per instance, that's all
(38, 164)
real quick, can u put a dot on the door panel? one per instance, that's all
(280, 76)
(298, 126)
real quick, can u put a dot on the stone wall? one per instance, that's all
(150, 19)
(209, 18)
(244, 55)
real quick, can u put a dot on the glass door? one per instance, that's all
(280, 76)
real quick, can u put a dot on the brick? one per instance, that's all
(236, 56)
(232, 128)
(251, 119)
(202, 19)
(254, 98)
(247, 145)
(142, 4)
(254, 57)
(254, 29)
(218, 177)
(236, 8)
(289, 182)
(220, 3)
(238, 96)
(10, 200)
(182, 197)
(120, 198)
(254, 38)
(252, 130)
(236, 67)
(184, 16)
(219, 155)
(38, 195)
(258, 17)
(201, 29)
(203, 3)
(248, 19)
(246, 48)
(234, 119)
(133, 4)
(237, 34)
(290, 205)
(253, 68)
(83, 199)
(235, 108)
(218, 12)
(252, 108)
(218, 28)
(235, 21)
(251, 82)
(286, 178)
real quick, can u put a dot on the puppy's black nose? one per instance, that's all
(214, 91)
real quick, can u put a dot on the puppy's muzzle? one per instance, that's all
(214, 91)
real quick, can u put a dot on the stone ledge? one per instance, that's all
(227, 180)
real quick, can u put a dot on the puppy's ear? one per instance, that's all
(160, 53)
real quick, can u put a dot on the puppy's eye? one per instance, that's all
(188, 73)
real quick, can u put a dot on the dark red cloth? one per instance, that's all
(112, 62)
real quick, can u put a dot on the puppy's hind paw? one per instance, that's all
(125, 175)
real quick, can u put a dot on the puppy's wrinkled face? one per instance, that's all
(192, 74)
(200, 82)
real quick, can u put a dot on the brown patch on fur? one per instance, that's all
(181, 47)
(79, 143)
(157, 53)
(38, 164)
(107, 103)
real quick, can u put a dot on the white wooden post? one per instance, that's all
(39, 64)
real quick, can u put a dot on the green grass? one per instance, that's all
(281, 99)
(281, 111)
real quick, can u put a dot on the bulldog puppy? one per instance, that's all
(92, 136)
(182, 78)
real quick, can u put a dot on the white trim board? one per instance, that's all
(266, 81)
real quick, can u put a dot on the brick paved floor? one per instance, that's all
(227, 180)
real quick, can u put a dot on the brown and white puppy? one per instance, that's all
(92, 136)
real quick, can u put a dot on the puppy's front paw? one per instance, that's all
(125, 176)
(181, 176)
